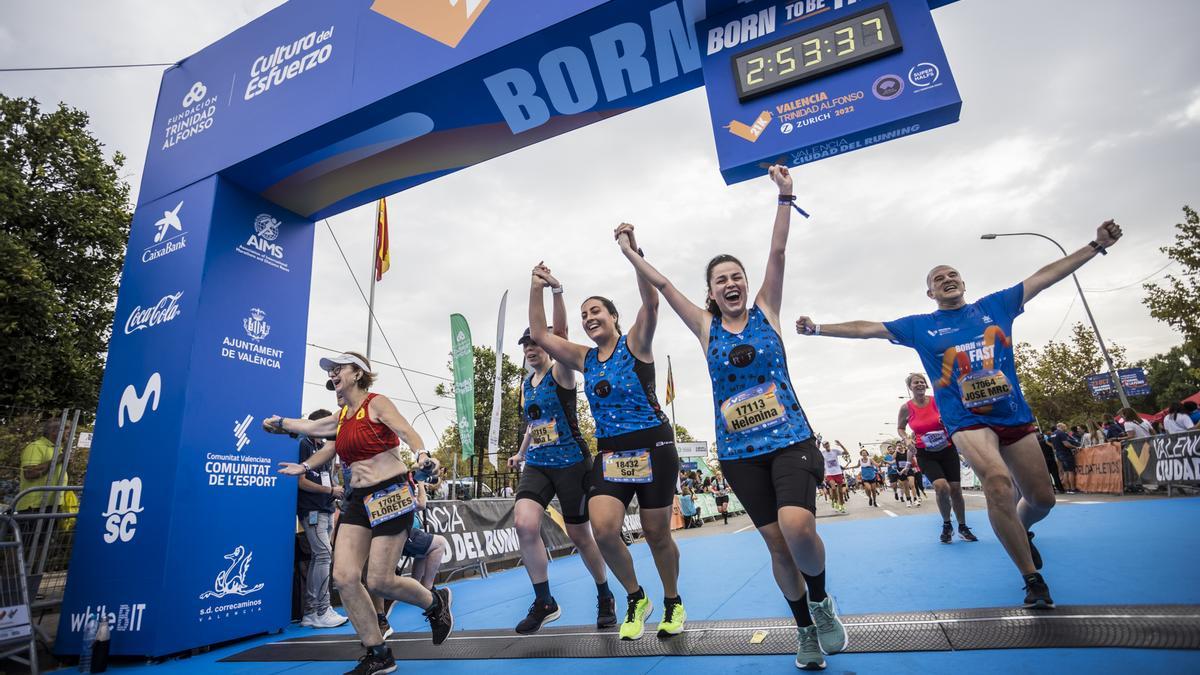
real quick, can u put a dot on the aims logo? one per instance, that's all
(446, 21)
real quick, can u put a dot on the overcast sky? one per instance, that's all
(1073, 112)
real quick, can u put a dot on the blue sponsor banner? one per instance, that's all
(794, 82)
(1133, 381)
(208, 339)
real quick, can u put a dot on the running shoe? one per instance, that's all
(947, 533)
(908, 505)
(540, 614)
(441, 620)
(1037, 593)
(673, 617)
(606, 612)
(329, 619)
(307, 620)
(830, 631)
(385, 628)
(370, 664)
(808, 650)
(966, 533)
(918, 501)
(635, 618)
(1037, 557)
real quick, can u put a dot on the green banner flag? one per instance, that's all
(463, 357)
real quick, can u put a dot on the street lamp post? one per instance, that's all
(1116, 376)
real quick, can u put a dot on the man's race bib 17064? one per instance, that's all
(391, 502)
(984, 387)
(755, 408)
(630, 466)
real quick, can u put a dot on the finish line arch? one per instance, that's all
(185, 536)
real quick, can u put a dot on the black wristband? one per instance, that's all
(641, 252)
(1097, 247)
(786, 198)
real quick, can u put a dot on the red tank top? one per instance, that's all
(924, 420)
(359, 438)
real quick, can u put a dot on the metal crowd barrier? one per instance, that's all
(48, 534)
(16, 627)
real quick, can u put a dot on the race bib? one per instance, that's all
(630, 466)
(542, 435)
(391, 502)
(984, 387)
(755, 408)
(935, 440)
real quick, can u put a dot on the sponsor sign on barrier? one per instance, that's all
(1098, 469)
(1169, 458)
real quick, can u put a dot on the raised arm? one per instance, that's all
(326, 427)
(694, 317)
(641, 333)
(562, 350)
(1106, 236)
(770, 296)
(563, 374)
(862, 330)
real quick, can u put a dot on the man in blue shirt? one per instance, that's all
(967, 351)
(1065, 446)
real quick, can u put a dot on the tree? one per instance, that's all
(1177, 302)
(510, 416)
(682, 435)
(1172, 376)
(1054, 377)
(64, 220)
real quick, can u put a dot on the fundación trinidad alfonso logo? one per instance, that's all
(446, 21)
(750, 132)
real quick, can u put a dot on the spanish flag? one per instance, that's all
(670, 383)
(383, 258)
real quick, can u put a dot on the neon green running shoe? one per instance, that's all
(672, 622)
(808, 650)
(635, 618)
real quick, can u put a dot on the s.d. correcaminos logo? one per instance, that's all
(446, 21)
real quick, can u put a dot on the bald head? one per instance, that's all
(933, 272)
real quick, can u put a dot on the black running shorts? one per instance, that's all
(786, 477)
(941, 464)
(354, 512)
(542, 483)
(664, 463)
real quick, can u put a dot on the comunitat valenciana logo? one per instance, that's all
(446, 21)
(289, 61)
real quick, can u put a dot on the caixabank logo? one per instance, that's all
(446, 21)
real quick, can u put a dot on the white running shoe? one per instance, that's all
(908, 505)
(307, 621)
(330, 619)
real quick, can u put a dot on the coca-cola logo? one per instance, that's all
(166, 310)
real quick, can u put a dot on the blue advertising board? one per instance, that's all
(1133, 381)
(794, 82)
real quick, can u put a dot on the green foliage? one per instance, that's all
(1177, 301)
(64, 220)
(1053, 378)
(682, 435)
(1172, 376)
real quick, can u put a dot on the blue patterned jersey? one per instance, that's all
(621, 392)
(753, 399)
(555, 440)
(968, 356)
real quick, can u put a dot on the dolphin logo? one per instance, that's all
(1138, 460)
(133, 405)
(169, 220)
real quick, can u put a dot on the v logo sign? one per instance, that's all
(1138, 460)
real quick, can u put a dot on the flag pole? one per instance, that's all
(374, 274)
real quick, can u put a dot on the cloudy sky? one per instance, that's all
(1073, 112)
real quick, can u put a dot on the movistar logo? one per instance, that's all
(446, 21)
(133, 405)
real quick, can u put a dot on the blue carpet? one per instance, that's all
(1135, 552)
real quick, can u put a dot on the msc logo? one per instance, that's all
(446, 21)
(124, 503)
(133, 405)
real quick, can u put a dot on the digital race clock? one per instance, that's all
(819, 51)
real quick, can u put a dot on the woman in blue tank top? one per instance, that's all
(764, 441)
(636, 443)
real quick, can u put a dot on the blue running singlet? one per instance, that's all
(555, 440)
(621, 392)
(968, 356)
(753, 399)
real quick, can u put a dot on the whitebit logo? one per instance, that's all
(124, 503)
(446, 21)
(169, 221)
(195, 95)
(133, 405)
(232, 579)
(239, 432)
(256, 324)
